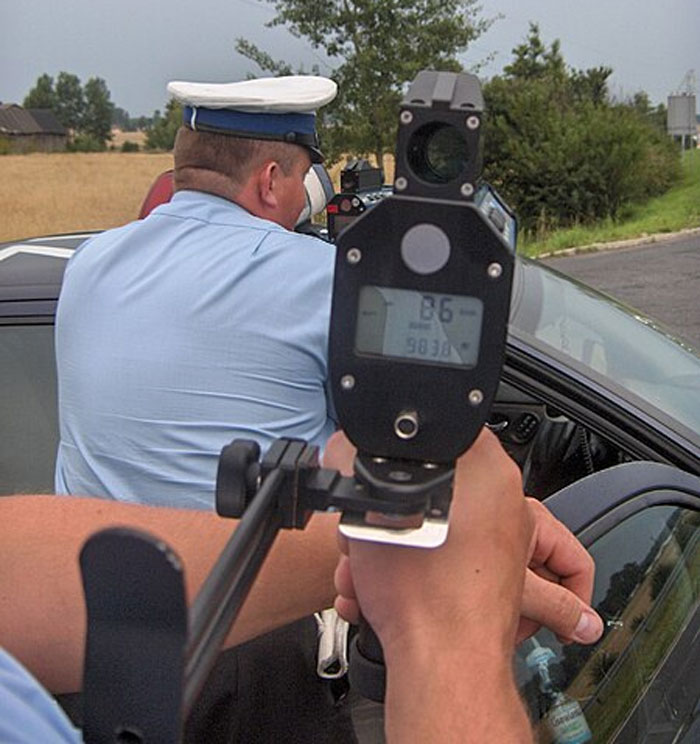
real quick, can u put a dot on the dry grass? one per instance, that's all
(46, 194)
(119, 138)
(43, 194)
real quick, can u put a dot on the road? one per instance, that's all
(661, 279)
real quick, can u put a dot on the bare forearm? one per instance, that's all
(452, 695)
(42, 617)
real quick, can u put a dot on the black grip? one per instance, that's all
(367, 671)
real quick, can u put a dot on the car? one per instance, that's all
(599, 406)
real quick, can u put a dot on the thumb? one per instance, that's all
(560, 610)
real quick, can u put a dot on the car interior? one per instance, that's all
(642, 676)
(641, 682)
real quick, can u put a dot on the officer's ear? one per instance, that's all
(268, 183)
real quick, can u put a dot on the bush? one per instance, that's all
(161, 134)
(129, 146)
(659, 578)
(86, 143)
(560, 162)
(602, 664)
(560, 151)
(5, 147)
(636, 622)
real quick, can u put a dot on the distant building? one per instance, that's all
(30, 130)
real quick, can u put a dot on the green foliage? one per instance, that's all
(161, 134)
(42, 95)
(560, 151)
(532, 60)
(375, 48)
(5, 146)
(128, 146)
(70, 100)
(85, 111)
(655, 115)
(97, 115)
(622, 584)
(636, 622)
(676, 209)
(659, 578)
(124, 121)
(601, 666)
(86, 143)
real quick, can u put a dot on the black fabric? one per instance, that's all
(565, 452)
(263, 692)
(267, 691)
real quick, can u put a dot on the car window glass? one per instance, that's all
(28, 409)
(615, 346)
(641, 681)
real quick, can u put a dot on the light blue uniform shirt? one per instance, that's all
(178, 333)
(28, 714)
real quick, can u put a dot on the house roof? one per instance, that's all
(47, 120)
(17, 120)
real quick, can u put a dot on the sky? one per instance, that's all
(137, 46)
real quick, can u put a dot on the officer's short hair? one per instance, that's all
(234, 157)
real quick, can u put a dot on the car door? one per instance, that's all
(30, 277)
(641, 681)
(28, 409)
(605, 366)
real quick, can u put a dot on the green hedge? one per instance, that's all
(561, 161)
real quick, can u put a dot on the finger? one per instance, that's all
(526, 629)
(343, 544)
(545, 573)
(557, 550)
(560, 610)
(343, 578)
(348, 609)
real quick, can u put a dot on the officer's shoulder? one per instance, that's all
(309, 243)
(97, 241)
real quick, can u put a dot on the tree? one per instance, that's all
(97, 117)
(622, 584)
(602, 664)
(121, 119)
(86, 112)
(375, 48)
(591, 85)
(559, 150)
(70, 101)
(161, 134)
(42, 95)
(655, 115)
(659, 578)
(532, 60)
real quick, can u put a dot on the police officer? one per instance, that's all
(208, 320)
(205, 322)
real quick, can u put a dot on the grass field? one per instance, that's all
(44, 194)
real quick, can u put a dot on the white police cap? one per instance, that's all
(280, 108)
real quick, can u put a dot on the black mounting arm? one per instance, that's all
(147, 656)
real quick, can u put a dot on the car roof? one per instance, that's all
(31, 272)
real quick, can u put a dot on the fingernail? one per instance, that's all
(589, 628)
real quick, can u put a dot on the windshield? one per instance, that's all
(613, 345)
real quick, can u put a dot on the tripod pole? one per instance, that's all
(221, 597)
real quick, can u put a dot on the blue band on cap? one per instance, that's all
(241, 121)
